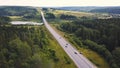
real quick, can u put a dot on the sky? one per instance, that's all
(59, 3)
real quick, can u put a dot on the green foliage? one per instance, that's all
(4, 20)
(50, 16)
(100, 49)
(67, 61)
(67, 17)
(16, 10)
(112, 10)
(100, 35)
(18, 53)
(53, 55)
(69, 27)
(45, 9)
(36, 61)
(18, 48)
(30, 47)
(99, 30)
(23, 49)
(23, 13)
(116, 55)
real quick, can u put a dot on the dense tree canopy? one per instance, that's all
(100, 35)
(67, 17)
(4, 20)
(23, 47)
(50, 16)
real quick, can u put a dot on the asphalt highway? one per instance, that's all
(78, 58)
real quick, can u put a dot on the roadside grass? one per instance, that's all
(64, 60)
(95, 58)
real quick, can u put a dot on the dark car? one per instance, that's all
(80, 52)
(75, 52)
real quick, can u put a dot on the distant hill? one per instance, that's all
(82, 9)
(113, 10)
(85, 9)
(23, 13)
(16, 10)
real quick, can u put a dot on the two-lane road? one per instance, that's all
(78, 59)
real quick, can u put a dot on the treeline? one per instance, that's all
(4, 20)
(50, 16)
(25, 47)
(62, 16)
(67, 17)
(100, 35)
(112, 10)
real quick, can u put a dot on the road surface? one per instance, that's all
(78, 59)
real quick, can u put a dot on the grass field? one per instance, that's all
(13, 18)
(75, 13)
(20, 18)
(95, 58)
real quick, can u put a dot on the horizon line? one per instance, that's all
(65, 6)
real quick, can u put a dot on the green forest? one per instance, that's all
(27, 46)
(4, 20)
(100, 35)
(20, 47)
(30, 47)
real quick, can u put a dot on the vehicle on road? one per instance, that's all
(80, 52)
(71, 51)
(75, 52)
